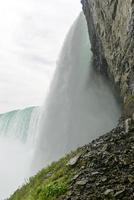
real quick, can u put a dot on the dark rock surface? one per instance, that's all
(105, 169)
(111, 31)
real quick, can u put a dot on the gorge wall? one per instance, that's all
(111, 31)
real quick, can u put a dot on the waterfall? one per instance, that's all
(20, 124)
(17, 135)
(80, 105)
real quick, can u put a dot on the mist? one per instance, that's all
(80, 105)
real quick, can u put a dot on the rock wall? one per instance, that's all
(111, 31)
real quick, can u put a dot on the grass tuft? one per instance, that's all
(50, 183)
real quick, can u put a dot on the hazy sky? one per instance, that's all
(31, 35)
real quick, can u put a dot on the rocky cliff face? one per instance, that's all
(111, 31)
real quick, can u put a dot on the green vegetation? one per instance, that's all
(49, 183)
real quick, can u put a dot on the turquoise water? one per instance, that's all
(18, 132)
(16, 124)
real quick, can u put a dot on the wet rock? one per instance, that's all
(81, 182)
(72, 162)
(76, 177)
(95, 173)
(104, 148)
(103, 179)
(131, 178)
(108, 169)
(117, 194)
(128, 123)
(108, 191)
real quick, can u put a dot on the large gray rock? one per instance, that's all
(111, 31)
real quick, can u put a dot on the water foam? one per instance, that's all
(80, 105)
(17, 135)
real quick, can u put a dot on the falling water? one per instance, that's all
(21, 124)
(80, 105)
(17, 135)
